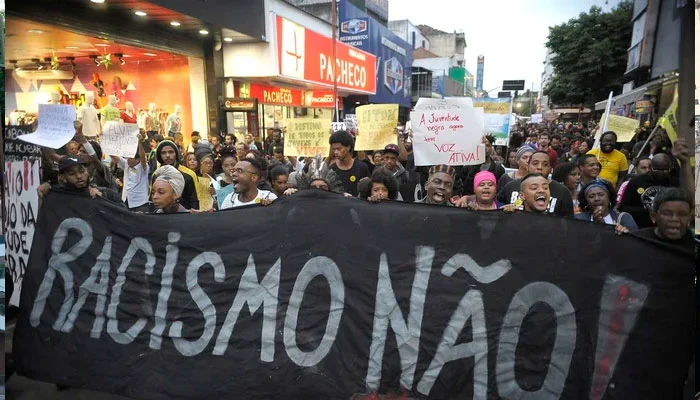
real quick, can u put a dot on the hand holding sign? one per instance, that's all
(376, 124)
(55, 126)
(120, 139)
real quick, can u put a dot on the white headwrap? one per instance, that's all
(170, 174)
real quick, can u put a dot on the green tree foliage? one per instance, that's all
(590, 55)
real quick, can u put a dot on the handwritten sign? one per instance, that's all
(18, 150)
(55, 126)
(120, 139)
(20, 211)
(306, 137)
(375, 126)
(625, 128)
(451, 137)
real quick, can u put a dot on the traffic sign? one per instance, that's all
(513, 85)
(504, 94)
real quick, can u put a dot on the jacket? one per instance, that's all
(627, 221)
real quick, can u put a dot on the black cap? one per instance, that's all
(391, 148)
(68, 162)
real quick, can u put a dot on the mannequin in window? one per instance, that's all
(173, 124)
(129, 115)
(152, 122)
(88, 116)
(110, 112)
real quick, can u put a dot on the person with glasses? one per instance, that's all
(639, 194)
(244, 178)
(671, 214)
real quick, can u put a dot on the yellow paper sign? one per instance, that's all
(624, 128)
(375, 126)
(307, 137)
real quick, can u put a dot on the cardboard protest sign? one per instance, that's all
(451, 137)
(307, 137)
(20, 211)
(112, 296)
(120, 139)
(55, 126)
(375, 126)
(497, 118)
(625, 128)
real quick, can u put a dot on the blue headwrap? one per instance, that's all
(597, 183)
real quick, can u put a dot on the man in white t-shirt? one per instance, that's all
(245, 177)
(135, 190)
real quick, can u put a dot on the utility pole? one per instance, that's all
(334, 17)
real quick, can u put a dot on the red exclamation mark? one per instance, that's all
(26, 175)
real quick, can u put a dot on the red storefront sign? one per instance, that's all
(322, 99)
(277, 95)
(306, 55)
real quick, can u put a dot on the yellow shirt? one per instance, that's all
(206, 201)
(611, 164)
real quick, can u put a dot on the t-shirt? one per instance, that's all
(560, 202)
(110, 113)
(91, 124)
(127, 119)
(612, 164)
(135, 190)
(232, 200)
(639, 195)
(351, 177)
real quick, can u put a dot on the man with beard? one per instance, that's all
(638, 199)
(613, 162)
(168, 153)
(73, 176)
(438, 188)
(349, 170)
(245, 177)
(560, 201)
(276, 142)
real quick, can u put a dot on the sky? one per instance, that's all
(511, 34)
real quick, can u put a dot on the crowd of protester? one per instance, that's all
(546, 168)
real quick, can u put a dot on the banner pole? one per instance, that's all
(602, 129)
(334, 16)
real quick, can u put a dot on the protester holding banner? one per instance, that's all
(245, 178)
(533, 195)
(279, 179)
(596, 200)
(168, 186)
(349, 170)
(381, 186)
(468, 172)
(73, 176)
(484, 188)
(672, 213)
(439, 186)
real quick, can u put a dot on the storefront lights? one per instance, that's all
(175, 23)
(98, 1)
(203, 32)
(228, 39)
(140, 13)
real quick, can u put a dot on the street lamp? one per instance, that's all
(518, 105)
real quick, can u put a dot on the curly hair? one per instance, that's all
(602, 183)
(386, 178)
(562, 171)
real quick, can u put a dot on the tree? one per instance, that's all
(590, 55)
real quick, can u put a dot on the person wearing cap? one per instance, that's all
(168, 186)
(73, 176)
(136, 172)
(168, 153)
(390, 162)
(438, 188)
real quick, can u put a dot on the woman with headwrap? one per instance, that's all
(596, 199)
(167, 189)
(319, 176)
(522, 157)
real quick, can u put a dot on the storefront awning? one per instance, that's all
(636, 94)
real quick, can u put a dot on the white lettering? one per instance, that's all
(166, 287)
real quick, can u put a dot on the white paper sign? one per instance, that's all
(55, 126)
(120, 139)
(449, 103)
(451, 137)
(338, 126)
(535, 118)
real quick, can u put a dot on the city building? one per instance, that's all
(653, 62)
(444, 44)
(547, 76)
(376, 9)
(447, 79)
(480, 73)
(409, 33)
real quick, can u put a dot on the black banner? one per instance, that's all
(18, 150)
(322, 297)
